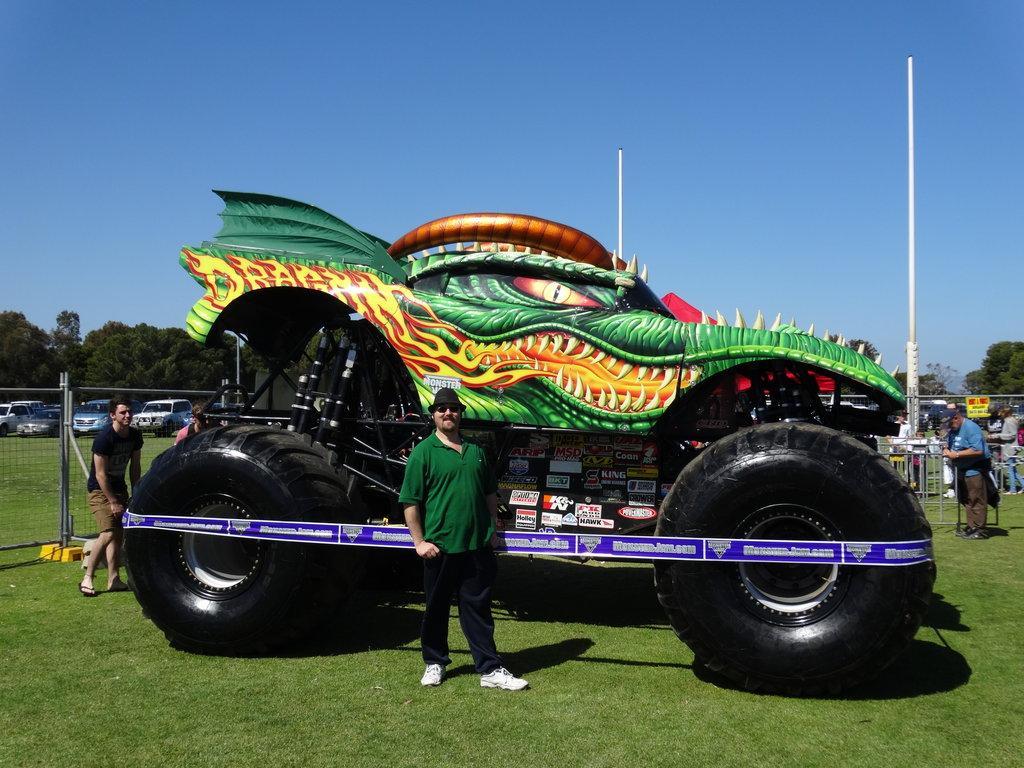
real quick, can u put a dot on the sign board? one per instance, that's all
(977, 407)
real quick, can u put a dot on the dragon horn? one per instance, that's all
(721, 319)
(860, 348)
(632, 266)
(878, 359)
(704, 319)
(740, 322)
(895, 371)
(792, 320)
(643, 273)
(826, 336)
(758, 322)
(778, 322)
(810, 330)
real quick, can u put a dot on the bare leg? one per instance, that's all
(98, 547)
(113, 555)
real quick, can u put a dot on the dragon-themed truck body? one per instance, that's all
(600, 409)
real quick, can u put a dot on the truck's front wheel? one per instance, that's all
(799, 629)
(214, 594)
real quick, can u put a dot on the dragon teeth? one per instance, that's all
(641, 372)
(601, 355)
(626, 402)
(626, 368)
(544, 341)
(652, 403)
(587, 349)
(558, 378)
(577, 391)
(530, 341)
(601, 400)
(588, 396)
(666, 376)
(613, 400)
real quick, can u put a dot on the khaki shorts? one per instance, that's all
(101, 512)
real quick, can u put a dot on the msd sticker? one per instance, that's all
(568, 452)
(637, 513)
(529, 498)
(559, 503)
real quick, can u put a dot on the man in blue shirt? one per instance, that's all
(966, 449)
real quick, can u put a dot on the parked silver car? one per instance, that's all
(45, 423)
(164, 416)
(90, 417)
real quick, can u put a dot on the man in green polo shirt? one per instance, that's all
(451, 508)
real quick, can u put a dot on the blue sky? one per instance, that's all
(765, 145)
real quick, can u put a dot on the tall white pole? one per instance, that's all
(619, 250)
(913, 353)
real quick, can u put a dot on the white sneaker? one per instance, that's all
(502, 678)
(432, 675)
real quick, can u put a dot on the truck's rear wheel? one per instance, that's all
(797, 629)
(223, 595)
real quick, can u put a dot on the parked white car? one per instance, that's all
(13, 414)
(163, 416)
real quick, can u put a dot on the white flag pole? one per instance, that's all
(619, 250)
(913, 353)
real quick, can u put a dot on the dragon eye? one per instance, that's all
(553, 291)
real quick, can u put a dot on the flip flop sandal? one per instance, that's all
(87, 591)
(122, 587)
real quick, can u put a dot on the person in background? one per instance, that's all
(198, 424)
(1008, 440)
(969, 454)
(117, 450)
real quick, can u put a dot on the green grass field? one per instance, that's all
(92, 680)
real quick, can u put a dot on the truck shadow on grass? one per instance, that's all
(612, 595)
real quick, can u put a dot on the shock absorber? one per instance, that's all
(340, 354)
(303, 407)
(331, 420)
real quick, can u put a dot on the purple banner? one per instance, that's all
(562, 544)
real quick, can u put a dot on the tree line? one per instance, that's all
(146, 357)
(115, 355)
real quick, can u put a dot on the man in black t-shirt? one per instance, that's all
(116, 451)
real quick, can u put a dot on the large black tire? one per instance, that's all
(232, 596)
(793, 629)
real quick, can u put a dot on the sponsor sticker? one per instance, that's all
(440, 382)
(531, 479)
(628, 443)
(637, 513)
(550, 518)
(598, 449)
(633, 456)
(598, 461)
(570, 439)
(592, 480)
(529, 498)
(664, 489)
(650, 453)
(558, 482)
(568, 452)
(588, 509)
(589, 515)
(571, 467)
(526, 518)
(518, 466)
(613, 477)
(559, 503)
(506, 485)
(640, 486)
(642, 499)
(569, 519)
(597, 522)
(539, 441)
(533, 452)
(645, 472)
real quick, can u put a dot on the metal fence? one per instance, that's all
(43, 493)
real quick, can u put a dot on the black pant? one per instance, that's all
(470, 575)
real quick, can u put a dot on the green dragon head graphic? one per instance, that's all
(527, 337)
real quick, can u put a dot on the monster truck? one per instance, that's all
(602, 412)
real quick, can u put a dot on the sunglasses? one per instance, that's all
(446, 408)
